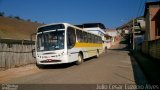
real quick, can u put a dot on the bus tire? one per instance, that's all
(97, 54)
(80, 59)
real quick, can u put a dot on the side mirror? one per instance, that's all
(33, 53)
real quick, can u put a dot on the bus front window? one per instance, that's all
(52, 40)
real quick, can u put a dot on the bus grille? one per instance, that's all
(50, 60)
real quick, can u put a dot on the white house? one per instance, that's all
(112, 32)
(114, 35)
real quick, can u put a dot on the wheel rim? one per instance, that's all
(79, 59)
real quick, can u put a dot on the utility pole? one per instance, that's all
(133, 36)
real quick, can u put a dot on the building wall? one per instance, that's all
(152, 48)
(157, 24)
(150, 24)
(153, 12)
(153, 33)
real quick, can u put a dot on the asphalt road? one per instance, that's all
(117, 66)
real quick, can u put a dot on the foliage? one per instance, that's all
(2, 13)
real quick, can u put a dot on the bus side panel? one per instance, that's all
(73, 54)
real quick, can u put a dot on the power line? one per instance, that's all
(142, 10)
(141, 7)
(140, 4)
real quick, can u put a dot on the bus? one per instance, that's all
(96, 28)
(65, 43)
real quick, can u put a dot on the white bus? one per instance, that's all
(65, 43)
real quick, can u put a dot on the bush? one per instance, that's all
(2, 13)
(17, 17)
(10, 16)
(29, 20)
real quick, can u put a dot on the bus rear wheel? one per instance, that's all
(97, 55)
(80, 59)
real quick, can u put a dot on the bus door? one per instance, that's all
(71, 40)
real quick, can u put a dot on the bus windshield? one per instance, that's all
(50, 40)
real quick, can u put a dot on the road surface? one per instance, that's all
(117, 66)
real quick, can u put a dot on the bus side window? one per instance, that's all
(84, 36)
(90, 38)
(93, 38)
(71, 40)
(79, 35)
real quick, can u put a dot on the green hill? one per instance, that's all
(11, 28)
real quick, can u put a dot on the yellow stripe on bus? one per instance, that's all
(87, 45)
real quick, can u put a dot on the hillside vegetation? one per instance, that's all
(11, 28)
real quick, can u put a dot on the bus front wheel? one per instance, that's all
(80, 59)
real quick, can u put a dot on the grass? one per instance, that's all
(16, 29)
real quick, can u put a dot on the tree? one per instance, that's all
(17, 17)
(2, 13)
(10, 16)
(29, 20)
(36, 21)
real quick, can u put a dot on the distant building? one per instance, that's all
(139, 26)
(112, 32)
(152, 17)
(96, 28)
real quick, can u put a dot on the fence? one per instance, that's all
(14, 53)
(152, 48)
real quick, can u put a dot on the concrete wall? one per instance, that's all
(152, 48)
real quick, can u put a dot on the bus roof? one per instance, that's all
(66, 24)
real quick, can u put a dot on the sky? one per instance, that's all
(112, 13)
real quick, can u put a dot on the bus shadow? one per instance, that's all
(57, 66)
(89, 59)
(64, 66)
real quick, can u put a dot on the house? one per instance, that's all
(152, 18)
(138, 24)
(114, 34)
(151, 45)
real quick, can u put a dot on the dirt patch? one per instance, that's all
(18, 72)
